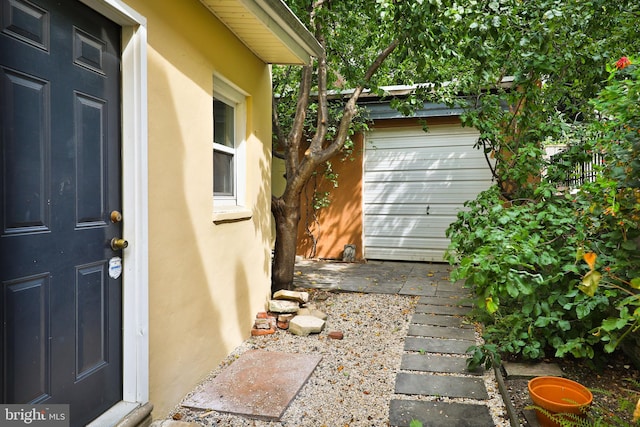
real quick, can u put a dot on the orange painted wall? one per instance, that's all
(341, 222)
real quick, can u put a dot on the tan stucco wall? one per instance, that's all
(206, 281)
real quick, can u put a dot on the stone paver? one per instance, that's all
(455, 300)
(440, 320)
(384, 288)
(439, 385)
(441, 309)
(414, 289)
(260, 384)
(437, 326)
(531, 370)
(435, 363)
(439, 414)
(437, 345)
(441, 332)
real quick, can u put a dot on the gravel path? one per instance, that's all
(354, 382)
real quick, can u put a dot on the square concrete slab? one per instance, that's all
(434, 363)
(440, 320)
(260, 384)
(442, 332)
(515, 370)
(437, 345)
(439, 414)
(441, 309)
(452, 299)
(437, 385)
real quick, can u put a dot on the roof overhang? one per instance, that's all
(379, 107)
(268, 28)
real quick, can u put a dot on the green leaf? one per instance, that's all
(629, 245)
(490, 305)
(635, 283)
(590, 283)
(564, 325)
(613, 323)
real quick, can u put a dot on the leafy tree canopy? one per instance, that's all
(553, 53)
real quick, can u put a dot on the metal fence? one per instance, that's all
(580, 172)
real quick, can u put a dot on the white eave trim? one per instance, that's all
(274, 17)
(289, 27)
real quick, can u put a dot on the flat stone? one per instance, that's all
(441, 309)
(440, 320)
(437, 345)
(383, 288)
(312, 312)
(284, 294)
(283, 306)
(418, 287)
(451, 299)
(515, 370)
(439, 414)
(305, 325)
(260, 384)
(448, 286)
(438, 385)
(442, 332)
(286, 317)
(434, 363)
(173, 423)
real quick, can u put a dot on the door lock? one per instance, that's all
(118, 244)
(115, 216)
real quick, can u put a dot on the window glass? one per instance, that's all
(222, 173)
(223, 123)
(224, 149)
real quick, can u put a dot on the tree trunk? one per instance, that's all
(287, 217)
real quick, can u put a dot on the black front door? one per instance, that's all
(60, 193)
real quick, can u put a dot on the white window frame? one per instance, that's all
(225, 207)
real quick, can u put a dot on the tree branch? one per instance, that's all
(349, 110)
(292, 145)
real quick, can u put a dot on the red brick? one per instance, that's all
(336, 335)
(259, 332)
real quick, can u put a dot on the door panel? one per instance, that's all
(61, 178)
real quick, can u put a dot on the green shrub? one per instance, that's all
(524, 258)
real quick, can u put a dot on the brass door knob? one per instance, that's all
(118, 244)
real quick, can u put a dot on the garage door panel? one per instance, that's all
(423, 175)
(407, 227)
(396, 254)
(409, 243)
(414, 185)
(424, 152)
(397, 209)
(407, 194)
(390, 164)
(410, 140)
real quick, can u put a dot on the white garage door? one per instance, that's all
(414, 185)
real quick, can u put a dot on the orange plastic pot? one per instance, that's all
(558, 396)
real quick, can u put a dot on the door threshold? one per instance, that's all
(125, 414)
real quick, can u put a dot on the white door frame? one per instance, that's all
(135, 301)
